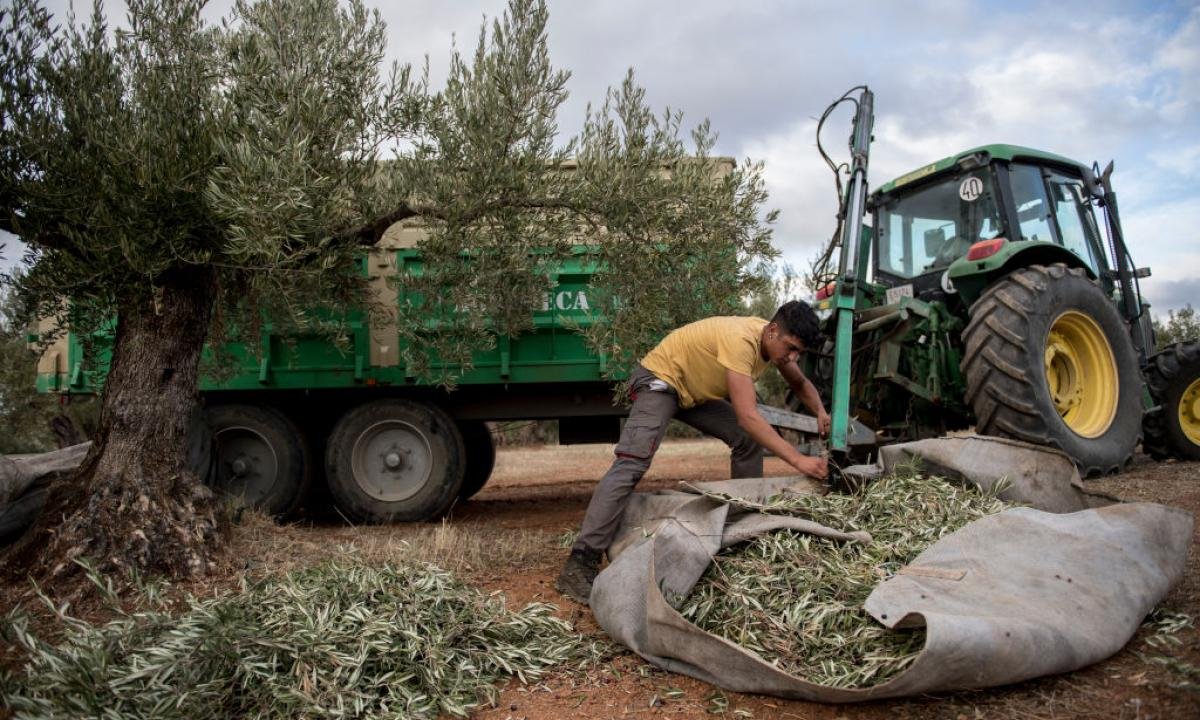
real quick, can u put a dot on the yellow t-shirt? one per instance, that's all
(694, 358)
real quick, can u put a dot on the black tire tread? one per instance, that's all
(996, 359)
(1161, 370)
(358, 507)
(480, 449)
(284, 504)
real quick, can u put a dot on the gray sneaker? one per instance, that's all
(578, 574)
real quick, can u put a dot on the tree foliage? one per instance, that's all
(24, 413)
(674, 233)
(774, 291)
(1179, 326)
(197, 181)
(273, 148)
(135, 154)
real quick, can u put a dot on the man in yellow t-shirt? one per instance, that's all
(703, 374)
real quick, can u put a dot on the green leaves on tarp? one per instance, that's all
(797, 600)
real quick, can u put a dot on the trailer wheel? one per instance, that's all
(1048, 360)
(1173, 376)
(263, 460)
(480, 456)
(395, 460)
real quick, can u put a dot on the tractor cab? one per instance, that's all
(956, 224)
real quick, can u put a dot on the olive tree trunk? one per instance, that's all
(134, 504)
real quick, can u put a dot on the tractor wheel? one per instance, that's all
(1049, 361)
(395, 460)
(480, 456)
(1174, 379)
(262, 459)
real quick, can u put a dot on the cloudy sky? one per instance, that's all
(1104, 80)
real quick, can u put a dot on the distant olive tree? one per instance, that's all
(1179, 326)
(190, 180)
(24, 414)
(32, 422)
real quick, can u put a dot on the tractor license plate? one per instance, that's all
(893, 295)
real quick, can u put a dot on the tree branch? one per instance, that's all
(11, 222)
(369, 234)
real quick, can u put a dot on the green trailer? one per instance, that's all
(390, 444)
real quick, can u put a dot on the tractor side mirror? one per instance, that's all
(935, 240)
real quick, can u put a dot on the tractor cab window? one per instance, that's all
(1033, 206)
(1051, 207)
(926, 230)
(1076, 223)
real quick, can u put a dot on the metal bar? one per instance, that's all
(846, 297)
(858, 433)
(840, 412)
(879, 322)
(1130, 299)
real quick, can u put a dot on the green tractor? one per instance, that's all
(985, 293)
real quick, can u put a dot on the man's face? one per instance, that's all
(779, 347)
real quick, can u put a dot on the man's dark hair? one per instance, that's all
(798, 319)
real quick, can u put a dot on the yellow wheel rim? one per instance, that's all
(1082, 374)
(1189, 412)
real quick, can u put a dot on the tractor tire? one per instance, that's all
(262, 458)
(1173, 376)
(480, 456)
(395, 460)
(1048, 360)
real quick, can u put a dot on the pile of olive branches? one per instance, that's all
(338, 640)
(796, 600)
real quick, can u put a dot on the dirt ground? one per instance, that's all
(548, 488)
(514, 536)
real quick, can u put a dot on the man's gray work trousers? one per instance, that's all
(653, 408)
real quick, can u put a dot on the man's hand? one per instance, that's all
(824, 423)
(815, 466)
(745, 405)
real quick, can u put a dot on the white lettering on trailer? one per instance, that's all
(566, 300)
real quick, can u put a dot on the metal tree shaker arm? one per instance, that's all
(851, 267)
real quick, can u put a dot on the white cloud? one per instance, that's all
(13, 251)
(1165, 238)
(801, 187)
(1184, 161)
(1118, 81)
(1182, 51)
(1167, 295)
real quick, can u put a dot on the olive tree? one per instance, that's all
(190, 180)
(1180, 325)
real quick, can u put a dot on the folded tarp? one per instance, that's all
(1013, 596)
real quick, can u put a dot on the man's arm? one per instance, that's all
(807, 393)
(745, 404)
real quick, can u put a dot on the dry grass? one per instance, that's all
(465, 549)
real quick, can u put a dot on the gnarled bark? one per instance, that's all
(134, 504)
